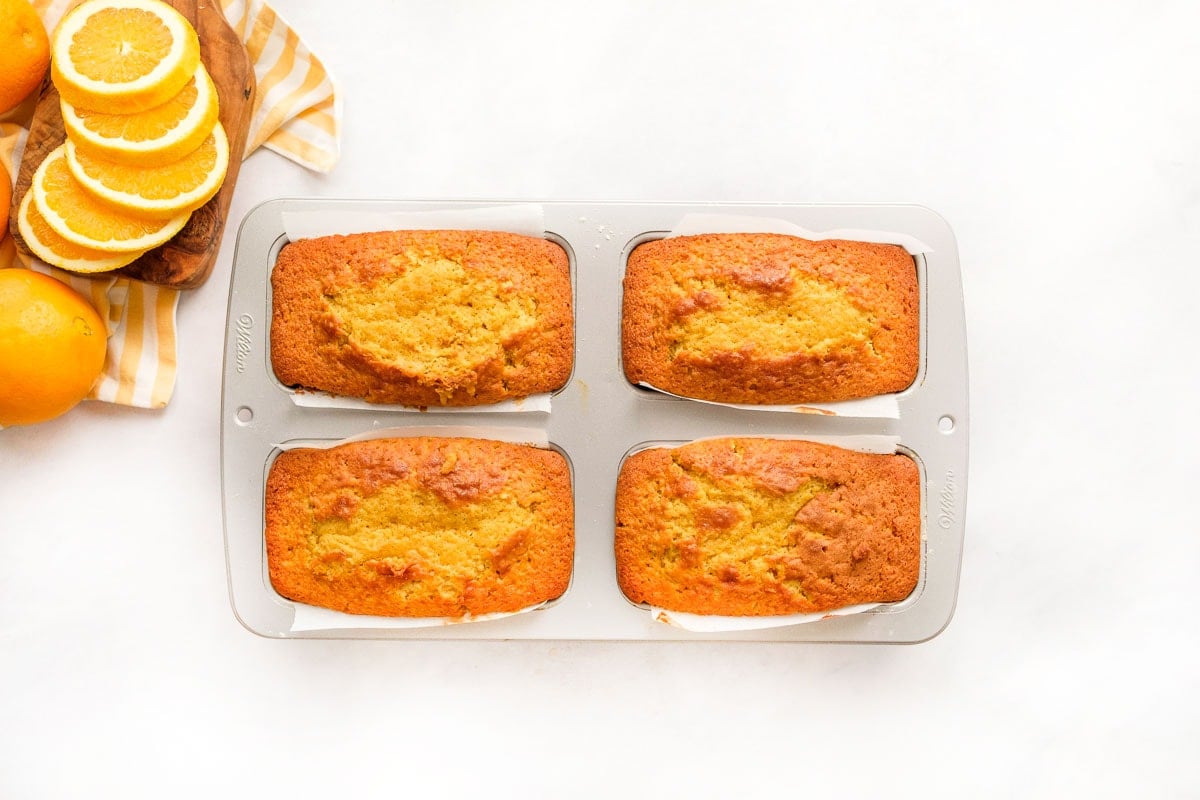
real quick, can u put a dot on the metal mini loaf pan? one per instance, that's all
(599, 417)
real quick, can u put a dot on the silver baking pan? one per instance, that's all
(598, 418)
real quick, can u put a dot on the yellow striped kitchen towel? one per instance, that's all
(297, 114)
(297, 110)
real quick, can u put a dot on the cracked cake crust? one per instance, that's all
(757, 527)
(423, 318)
(765, 318)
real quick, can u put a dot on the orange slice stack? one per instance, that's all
(144, 148)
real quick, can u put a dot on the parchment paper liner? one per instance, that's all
(884, 406)
(527, 219)
(315, 618)
(881, 406)
(534, 404)
(714, 623)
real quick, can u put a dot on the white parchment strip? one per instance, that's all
(705, 623)
(537, 403)
(881, 406)
(313, 618)
(694, 224)
(524, 218)
(881, 443)
(534, 437)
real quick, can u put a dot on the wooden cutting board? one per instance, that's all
(186, 260)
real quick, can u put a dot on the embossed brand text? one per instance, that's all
(946, 502)
(241, 342)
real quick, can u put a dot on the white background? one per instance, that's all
(1060, 140)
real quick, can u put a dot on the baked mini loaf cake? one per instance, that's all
(767, 318)
(423, 318)
(757, 527)
(420, 527)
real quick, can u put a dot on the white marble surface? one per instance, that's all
(1060, 141)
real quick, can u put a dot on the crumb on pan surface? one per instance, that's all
(756, 527)
(770, 318)
(423, 318)
(420, 527)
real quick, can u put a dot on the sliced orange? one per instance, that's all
(151, 138)
(123, 56)
(80, 218)
(53, 249)
(158, 192)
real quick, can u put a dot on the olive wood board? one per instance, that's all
(186, 260)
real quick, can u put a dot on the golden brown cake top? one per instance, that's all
(770, 318)
(753, 527)
(422, 526)
(423, 317)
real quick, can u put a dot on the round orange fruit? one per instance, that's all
(5, 200)
(24, 52)
(7, 250)
(52, 346)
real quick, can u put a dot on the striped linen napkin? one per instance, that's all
(297, 113)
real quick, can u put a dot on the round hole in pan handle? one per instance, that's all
(946, 423)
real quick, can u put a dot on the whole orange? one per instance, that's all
(52, 346)
(24, 52)
(5, 200)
